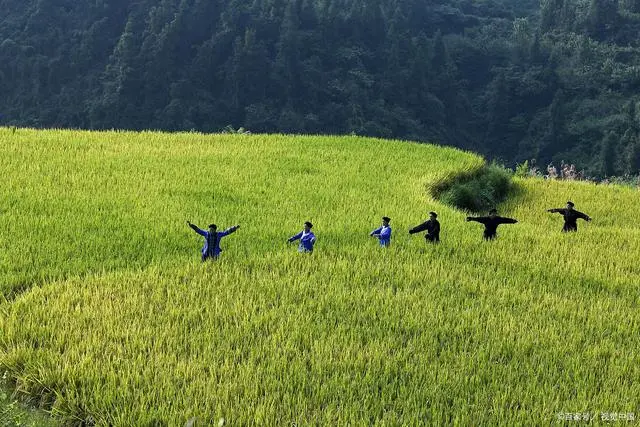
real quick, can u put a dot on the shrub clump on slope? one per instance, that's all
(479, 191)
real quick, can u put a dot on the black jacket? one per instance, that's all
(491, 224)
(570, 218)
(433, 230)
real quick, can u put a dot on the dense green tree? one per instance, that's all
(633, 157)
(632, 6)
(603, 18)
(608, 148)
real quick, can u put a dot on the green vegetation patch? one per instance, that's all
(119, 323)
(478, 191)
(14, 412)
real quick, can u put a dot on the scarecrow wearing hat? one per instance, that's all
(432, 226)
(491, 223)
(570, 217)
(306, 237)
(211, 248)
(383, 233)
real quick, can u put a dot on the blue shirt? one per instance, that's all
(307, 241)
(383, 234)
(215, 251)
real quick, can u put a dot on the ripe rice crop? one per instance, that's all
(110, 317)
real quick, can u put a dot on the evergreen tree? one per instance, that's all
(633, 157)
(603, 18)
(608, 148)
(632, 6)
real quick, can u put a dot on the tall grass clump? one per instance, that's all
(476, 192)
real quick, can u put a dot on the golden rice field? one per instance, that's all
(108, 317)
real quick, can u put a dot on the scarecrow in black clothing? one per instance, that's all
(491, 223)
(570, 217)
(432, 226)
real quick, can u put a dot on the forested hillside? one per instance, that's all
(512, 79)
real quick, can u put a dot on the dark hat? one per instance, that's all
(213, 226)
(386, 218)
(434, 214)
(570, 203)
(495, 211)
(307, 223)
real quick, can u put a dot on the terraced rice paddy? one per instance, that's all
(109, 317)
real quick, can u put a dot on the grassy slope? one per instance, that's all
(75, 202)
(136, 331)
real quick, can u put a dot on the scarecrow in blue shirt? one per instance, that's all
(383, 234)
(306, 237)
(211, 248)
